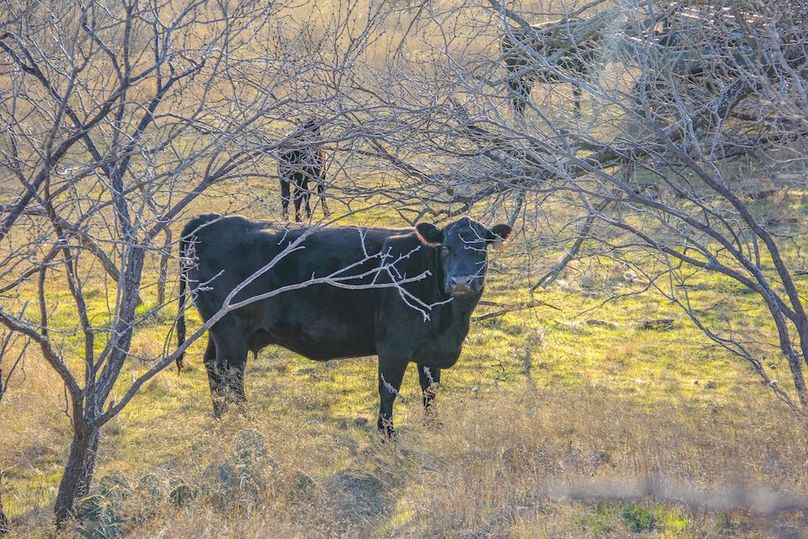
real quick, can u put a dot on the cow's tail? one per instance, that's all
(186, 261)
(184, 243)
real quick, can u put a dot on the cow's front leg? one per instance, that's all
(429, 378)
(301, 185)
(391, 372)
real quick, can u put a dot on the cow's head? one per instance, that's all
(311, 125)
(462, 251)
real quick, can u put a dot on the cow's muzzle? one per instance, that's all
(463, 286)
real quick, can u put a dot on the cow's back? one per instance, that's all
(320, 321)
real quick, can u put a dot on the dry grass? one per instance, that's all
(541, 401)
(538, 403)
(493, 469)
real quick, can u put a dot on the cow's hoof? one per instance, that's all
(386, 429)
(432, 422)
(219, 410)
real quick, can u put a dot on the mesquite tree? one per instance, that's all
(11, 361)
(115, 119)
(692, 114)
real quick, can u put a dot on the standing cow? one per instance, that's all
(548, 53)
(301, 160)
(381, 317)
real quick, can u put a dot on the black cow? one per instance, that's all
(404, 295)
(301, 160)
(689, 63)
(521, 47)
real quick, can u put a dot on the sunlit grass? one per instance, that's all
(539, 397)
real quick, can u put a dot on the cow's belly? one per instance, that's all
(321, 331)
(322, 347)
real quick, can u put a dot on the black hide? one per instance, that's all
(424, 322)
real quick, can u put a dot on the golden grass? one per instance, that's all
(539, 401)
(489, 471)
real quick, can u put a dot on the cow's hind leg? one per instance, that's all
(217, 389)
(285, 198)
(429, 378)
(391, 372)
(231, 359)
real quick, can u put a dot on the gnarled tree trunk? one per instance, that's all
(161, 283)
(78, 474)
(3, 519)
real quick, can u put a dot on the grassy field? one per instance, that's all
(570, 421)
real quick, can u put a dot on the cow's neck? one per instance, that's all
(463, 308)
(451, 321)
(457, 312)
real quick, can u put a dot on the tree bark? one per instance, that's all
(161, 283)
(78, 474)
(3, 520)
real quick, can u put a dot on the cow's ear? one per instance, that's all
(428, 233)
(500, 233)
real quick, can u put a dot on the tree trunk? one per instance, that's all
(3, 520)
(78, 472)
(161, 283)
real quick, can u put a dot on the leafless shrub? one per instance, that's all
(116, 119)
(694, 98)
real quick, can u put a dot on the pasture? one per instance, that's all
(656, 183)
(544, 406)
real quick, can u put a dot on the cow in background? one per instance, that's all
(301, 160)
(568, 57)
